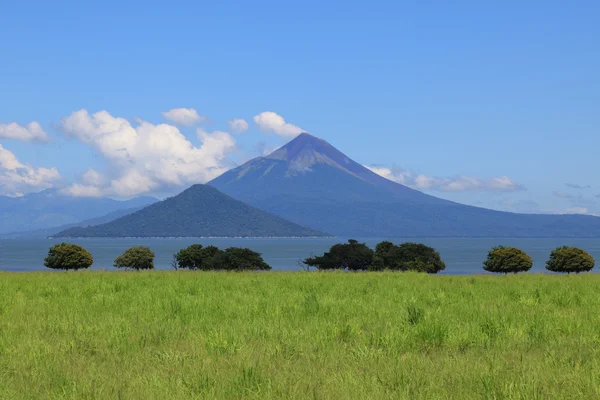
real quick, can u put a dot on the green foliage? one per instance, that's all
(383, 253)
(68, 256)
(414, 314)
(191, 257)
(196, 257)
(570, 259)
(189, 335)
(503, 259)
(199, 211)
(238, 259)
(352, 256)
(138, 257)
(409, 257)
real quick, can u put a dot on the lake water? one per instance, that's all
(461, 255)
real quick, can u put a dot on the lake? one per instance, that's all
(461, 255)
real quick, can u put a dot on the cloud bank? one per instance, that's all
(32, 132)
(146, 157)
(17, 178)
(458, 183)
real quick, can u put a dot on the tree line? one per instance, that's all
(68, 256)
(350, 256)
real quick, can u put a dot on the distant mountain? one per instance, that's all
(44, 233)
(310, 182)
(51, 208)
(200, 211)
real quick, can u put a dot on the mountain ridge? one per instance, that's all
(199, 211)
(310, 182)
(51, 208)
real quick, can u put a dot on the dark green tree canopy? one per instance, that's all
(238, 259)
(409, 257)
(353, 256)
(570, 259)
(191, 257)
(503, 259)
(138, 257)
(196, 257)
(68, 256)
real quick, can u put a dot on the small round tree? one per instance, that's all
(507, 259)
(570, 259)
(68, 256)
(138, 257)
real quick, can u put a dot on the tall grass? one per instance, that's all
(158, 335)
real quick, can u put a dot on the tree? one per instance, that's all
(239, 259)
(190, 258)
(415, 257)
(503, 259)
(382, 256)
(138, 257)
(68, 256)
(196, 257)
(353, 256)
(570, 259)
(210, 257)
(407, 257)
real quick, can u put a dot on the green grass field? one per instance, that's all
(176, 335)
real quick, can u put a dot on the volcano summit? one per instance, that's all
(310, 182)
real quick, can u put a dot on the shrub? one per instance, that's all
(138, 257)
(353, 256)
(68, 256)
(503, 259)
(570, 259)
(408, 257)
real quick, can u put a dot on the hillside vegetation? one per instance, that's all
(333, 335)
(200, 211)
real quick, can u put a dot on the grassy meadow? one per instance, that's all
(285, 335)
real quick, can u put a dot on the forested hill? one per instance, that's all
(200, 211)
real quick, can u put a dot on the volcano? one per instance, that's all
(310, 182)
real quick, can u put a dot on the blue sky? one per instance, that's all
(449, 97)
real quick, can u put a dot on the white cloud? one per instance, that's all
(576, 210)
(238, 125)
(146, 157)
(578, 186)
(562, 195)
(92, 177)
(269, 121)
(532, 207)
(32, 132)
(183, 116)
(449, 184)
(17, 178)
